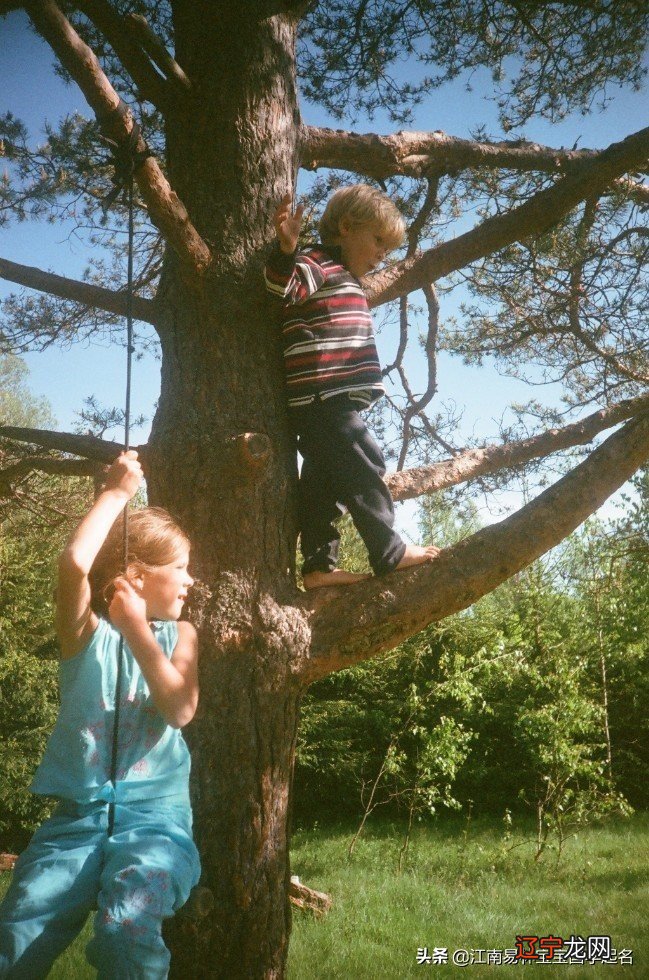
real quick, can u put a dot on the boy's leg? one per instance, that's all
(362, 489)
(348, 466)
(151, 865)
(53, 888)
(317, 510)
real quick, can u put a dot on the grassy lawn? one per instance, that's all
(460, 891)
(467, 892)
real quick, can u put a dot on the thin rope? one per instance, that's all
(126, 180)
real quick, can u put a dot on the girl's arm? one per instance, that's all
(75, 620)
(173, 683)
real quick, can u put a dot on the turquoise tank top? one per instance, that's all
(152, 758)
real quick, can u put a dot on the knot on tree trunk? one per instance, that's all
(254, 450)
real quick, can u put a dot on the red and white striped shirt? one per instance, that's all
(327, 330)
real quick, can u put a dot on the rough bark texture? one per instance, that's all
(165, 209)
(416, 154)
(347, 625)
(471, 463)
(220, 458)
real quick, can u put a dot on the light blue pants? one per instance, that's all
(135, 879)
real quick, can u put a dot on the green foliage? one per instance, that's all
(534, 699)
(456, 891)
(29, 544)
(28, 707)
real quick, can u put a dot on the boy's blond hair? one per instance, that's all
(362, 204)
(154, 539)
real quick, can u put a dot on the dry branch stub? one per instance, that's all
(307, 898)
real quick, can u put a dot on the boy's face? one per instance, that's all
(363, 247)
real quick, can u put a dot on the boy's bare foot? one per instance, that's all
(316, 580)
(415, 554)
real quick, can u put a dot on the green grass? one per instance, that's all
(456, 891)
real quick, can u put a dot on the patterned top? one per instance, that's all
(153, 759)
(327, 330)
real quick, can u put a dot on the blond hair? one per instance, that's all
(362, 204)
(154, 538)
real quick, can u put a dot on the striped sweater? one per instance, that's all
(327, 331)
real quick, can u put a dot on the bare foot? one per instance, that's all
(316, 580)
(416, 555)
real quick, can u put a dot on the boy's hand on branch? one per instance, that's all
(127, 607)
(288, 224)
(125, 474)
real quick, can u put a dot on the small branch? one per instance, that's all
(352, 625)
(536, 216)
(157, 52)
(639, 193)
(114, 28)
(417, 405)
(471, 463)
(15, 474)
(97, 297)
(166, 210)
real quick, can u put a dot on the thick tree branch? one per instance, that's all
(417, 154)
(79, 292)
(534, 217)
(352, 625)
(166, 210)
(471, 463)
(90, 447)
(152, 86)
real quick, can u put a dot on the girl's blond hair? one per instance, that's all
(154, 539)
(362, 204)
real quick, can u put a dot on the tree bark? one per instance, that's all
(220, 458)
(166, 210)
(378, 615)
(436, 154)
(487, 460)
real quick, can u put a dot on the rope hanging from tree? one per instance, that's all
(125, 158)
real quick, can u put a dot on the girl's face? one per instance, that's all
(164, 588)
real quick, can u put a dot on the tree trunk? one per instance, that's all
(221, 460)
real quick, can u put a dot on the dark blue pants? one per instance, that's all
(343, 464)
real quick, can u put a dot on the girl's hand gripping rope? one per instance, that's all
(124, 475)
(127, 607)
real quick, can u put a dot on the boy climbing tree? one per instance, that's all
(333, 371)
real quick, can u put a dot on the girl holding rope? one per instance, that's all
(120, 838)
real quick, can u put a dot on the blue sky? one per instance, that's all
(32, 91)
